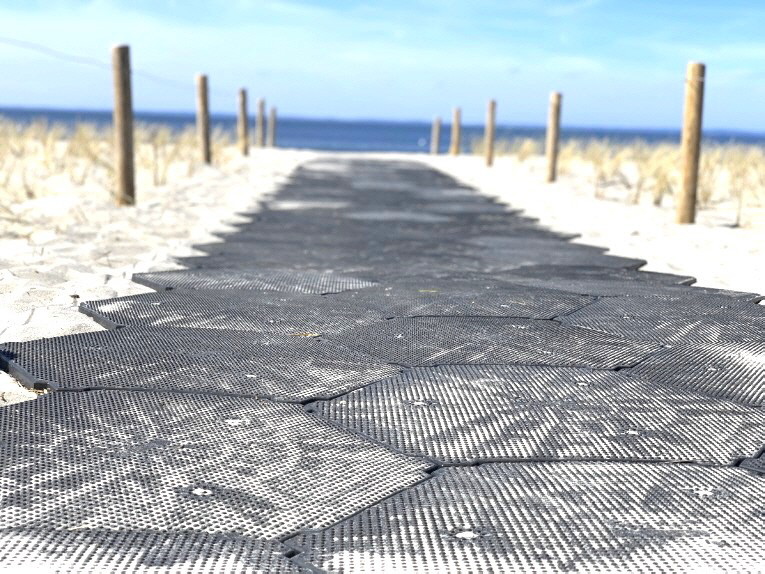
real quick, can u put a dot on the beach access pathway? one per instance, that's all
(383, 370)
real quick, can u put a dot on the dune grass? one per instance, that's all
(40, 159)
(637, 171)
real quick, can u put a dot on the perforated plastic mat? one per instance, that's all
(488, 297)
(284, 314)
(732, 371)
(555, 517)
(181, 460)
(178, 462)
(600, 281)
(283, 280)
(544, 413)
(423, 341)
(285, 367)
(98, 550)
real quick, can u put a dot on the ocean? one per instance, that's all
(371, 135)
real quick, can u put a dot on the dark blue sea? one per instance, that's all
(370, 135)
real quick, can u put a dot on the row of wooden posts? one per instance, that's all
(123, 127)
(265, 133)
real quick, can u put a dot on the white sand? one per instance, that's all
(76, 246)
(710, 250)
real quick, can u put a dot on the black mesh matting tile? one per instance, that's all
(98, 550)
(275, 313)
(554, 517)
(691, 319)
(426, 341)
(283, 280)
(296, 368)
(477, 297)
(177, 462)
(754, 464)
(500, 253)
(732, 371)
(615, 282)
(467, 413)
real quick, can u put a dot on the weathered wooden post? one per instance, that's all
(123, 127)
(260, 124)
(553, 136)
(242, 124)
(203, 119)
(435, 136)
(488, 136)
(271, 141)
(691, 142)
(454, 147)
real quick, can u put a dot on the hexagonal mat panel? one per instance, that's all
(693, 319)
(553, 517)
(100, 550)
(429, 297)
(467, 413)
(284, 280)
(194, 360)
(177, 462)
(607, 282)
(424, 341)
(275, 313)
(509, 252)
(732, 371)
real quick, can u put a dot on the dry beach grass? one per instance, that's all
(639, 172)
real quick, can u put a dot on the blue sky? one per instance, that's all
(619, 63)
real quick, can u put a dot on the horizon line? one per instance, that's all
(229, 115)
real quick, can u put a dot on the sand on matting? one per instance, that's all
(76, 246)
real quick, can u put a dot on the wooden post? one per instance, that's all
(242, 123)
(491, 118)
(260, 128)
(203, 119)
(454, 147)
(123, 127)
(435, 136)
(271, 140)
(691, 142)
(553, 136)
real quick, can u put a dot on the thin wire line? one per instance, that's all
(87, 61)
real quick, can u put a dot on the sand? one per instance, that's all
(75, 246)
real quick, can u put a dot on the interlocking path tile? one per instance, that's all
(692, 319)
(487, 297)
(97, 550)
(180, 462)
(424, 341)
(195, 360)
(467, 413)
(555, 517)
(284, 280)
(279, 314)
(732, 371)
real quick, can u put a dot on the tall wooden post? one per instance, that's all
(242, 123)
(123, 127)
(454, 147)
(203, 119)
(271, 140)
(691, 142)
(553, 136)
(488, 136)
(260, 124)
(435, 136)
